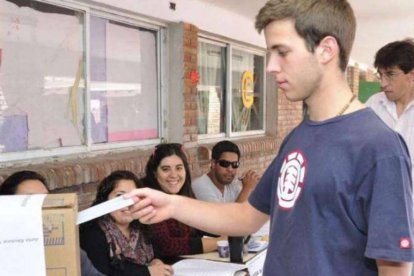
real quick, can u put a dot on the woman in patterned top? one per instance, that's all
(115, 243)
(167, 170)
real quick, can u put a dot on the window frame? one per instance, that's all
(121, 16)
(229, 46)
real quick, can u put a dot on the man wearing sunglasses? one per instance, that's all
(395, 105)
(222, 183)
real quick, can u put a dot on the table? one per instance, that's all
(207, 264)
(210, 264)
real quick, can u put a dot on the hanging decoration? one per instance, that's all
(194, 77)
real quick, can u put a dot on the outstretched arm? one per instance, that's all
(387, 268)
(232, 219)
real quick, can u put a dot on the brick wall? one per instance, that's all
(367, 75)
(81, 175)
(190, 43)
(289, 114)
(352, 74)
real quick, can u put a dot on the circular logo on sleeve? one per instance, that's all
(290, 182)
(405, 243)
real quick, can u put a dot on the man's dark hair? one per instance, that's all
(224, 146)
(9, 186)
(397, 53)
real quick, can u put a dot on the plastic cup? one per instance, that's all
(223, 248)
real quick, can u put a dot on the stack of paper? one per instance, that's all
(197, 267)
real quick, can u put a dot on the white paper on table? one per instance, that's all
(22, 250)
(255, 265)
(197, 267)
(255, 245)
(103, 209)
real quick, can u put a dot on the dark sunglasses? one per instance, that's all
(226, 164)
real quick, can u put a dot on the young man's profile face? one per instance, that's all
(296, 70)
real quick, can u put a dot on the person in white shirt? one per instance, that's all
(395, 104)
(221, 183)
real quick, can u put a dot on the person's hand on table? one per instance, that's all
(158, 268)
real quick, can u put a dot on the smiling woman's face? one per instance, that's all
(122, 216)
(171, 174)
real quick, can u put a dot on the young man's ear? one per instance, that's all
(411, 75)
(327, 49)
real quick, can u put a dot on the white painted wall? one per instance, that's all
(207, 17)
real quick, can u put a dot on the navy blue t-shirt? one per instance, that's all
(339, 197)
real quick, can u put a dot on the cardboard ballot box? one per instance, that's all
(61, 236)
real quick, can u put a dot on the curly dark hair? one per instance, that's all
(9, 186)
(162, 151)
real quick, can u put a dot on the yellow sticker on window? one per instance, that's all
(247, 88)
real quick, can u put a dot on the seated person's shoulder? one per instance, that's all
(90, 231)
(204, 189)
(199, 180)
(201, 184)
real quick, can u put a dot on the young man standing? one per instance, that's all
(395, 104)
(338, 193)
(221, 183)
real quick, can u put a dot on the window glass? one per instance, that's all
(247, 91)
(211, 88)
(41, 76)
(124, 98)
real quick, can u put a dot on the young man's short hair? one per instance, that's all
(314, 20)
(224, 146)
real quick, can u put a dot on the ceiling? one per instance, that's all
(379, 22)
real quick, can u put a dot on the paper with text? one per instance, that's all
(196, 267)
(21, 235)
(103, 209)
